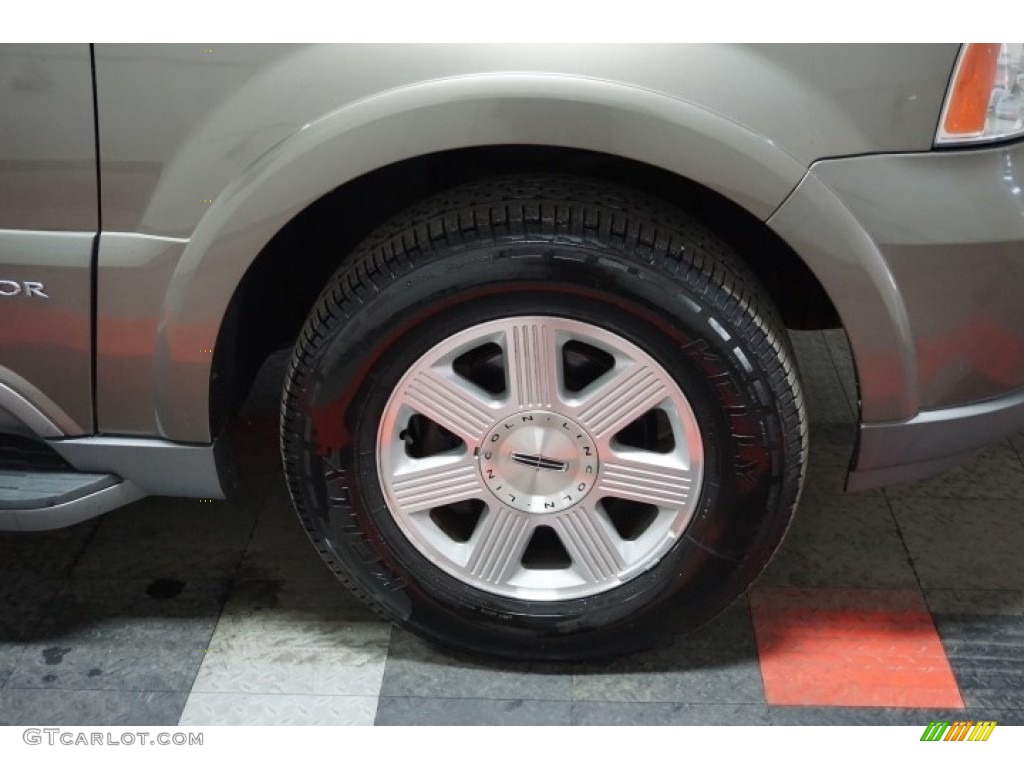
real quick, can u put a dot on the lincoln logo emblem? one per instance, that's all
(539, 462)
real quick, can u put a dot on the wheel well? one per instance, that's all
(278, 290)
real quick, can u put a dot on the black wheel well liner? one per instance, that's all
(280, 287)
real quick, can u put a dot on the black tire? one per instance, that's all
(575, 248)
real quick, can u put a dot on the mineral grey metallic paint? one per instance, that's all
(134, 273)
(950, 227)
(180, 124)
(46, 343)
(923, 256)
(48, 218)
(206, 154)
(422, 119)
(858, 280)
(932, 440)
(181, 127)
(47, 141)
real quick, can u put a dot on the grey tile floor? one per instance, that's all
(173, 611)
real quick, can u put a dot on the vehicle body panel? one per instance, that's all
(134, 274)
(940, 324)
(223, 145)
(182, 122)
(46, 342)
(896, 452)
(47, 139)
(48, 219)
(207, 152)
(950, 225)
(855, 274)
(938, 332)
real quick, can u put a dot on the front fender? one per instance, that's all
(444, 114)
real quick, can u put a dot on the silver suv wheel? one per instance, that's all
(544, 417)
(540, 481)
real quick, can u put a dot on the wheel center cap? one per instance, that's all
(538, 461)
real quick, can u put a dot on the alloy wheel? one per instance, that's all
(540, 458)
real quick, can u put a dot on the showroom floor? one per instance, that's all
(889, 607)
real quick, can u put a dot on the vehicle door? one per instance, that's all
(49, 219)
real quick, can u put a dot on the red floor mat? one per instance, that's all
(850, 647)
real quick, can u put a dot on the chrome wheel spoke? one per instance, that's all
(451, 404)
(436, 482)
(592, 544)
(620, 398)
(532, 365)
(499, 543)
(645, 477)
